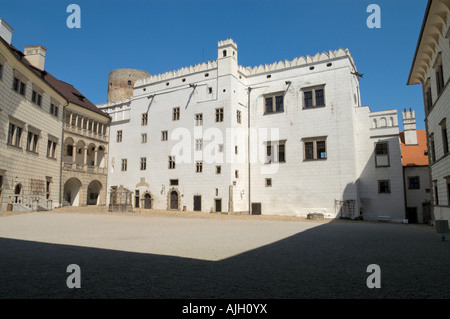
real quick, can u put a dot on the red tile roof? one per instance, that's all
(415, 155)
(65, 89)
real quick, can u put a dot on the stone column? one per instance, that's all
(74, 154)
(85, 158)
(70, 118)
(95, 160)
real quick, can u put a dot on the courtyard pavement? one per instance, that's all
(197, 255)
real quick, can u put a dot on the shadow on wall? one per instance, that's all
(328, 261)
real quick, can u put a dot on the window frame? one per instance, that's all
(119, 136)
(15, 138)
(273, 98)
(274, 147)
(381, 143)
(388, 191)
(314, 150)
(198, 117)
(268, 182)
(416, 185)
(164, 136)
(144, 119)
(172, 164)
(176, 113)
(219, 112)
(124, 166)
(199, 167)
(143, 163)
(313, 90)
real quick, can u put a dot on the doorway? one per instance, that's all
(218, 205)
(174, 200)
(411, 215)
(197, 203)
(147, 201)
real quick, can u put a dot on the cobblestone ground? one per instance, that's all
(159, 254)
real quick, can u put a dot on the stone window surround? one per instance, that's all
(313, 90)
(314, 140)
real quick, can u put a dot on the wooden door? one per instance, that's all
(174, 200)
(197, 203)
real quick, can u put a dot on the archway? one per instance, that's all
(79, 157)
(72, 192)
(91, 155)
(93, 192)
(101, 157)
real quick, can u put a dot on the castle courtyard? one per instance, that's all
(165, 254)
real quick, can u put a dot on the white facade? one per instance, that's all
(431, 69)
(320, 142)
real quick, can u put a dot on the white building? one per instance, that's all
(181, 141)
(431, 69)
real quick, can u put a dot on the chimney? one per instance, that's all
(409, 126)
(6, 31)
(35, 54)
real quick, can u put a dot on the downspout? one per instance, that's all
(248, 151)
(62, 152)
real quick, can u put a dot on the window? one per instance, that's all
(119, 137)
(164, 135)
(54, 109)
(198, 144)
(70, 150)
(174, 182)
(218, 170)
(428, 97)
(15, 135)
(448, 191)
(414, 182)
(209, 90)
(1, 71)
(439, 74)
(220, 148)
(36, 98)
(238, 116)
(124, 164)
(19, 86)
(199, 119)
(219, 115)
(51, 149)
(384, 187)
(314, 149)
(143, 163)
(235, 150)
(171, 162)
(268, 182)
(32, 142)
(314, 97)
(433, 149)
(436, 193)
(144, 138)
(275, 152)
(236, 174)
(175, 114)
(444, 135)
(381, 154)
(144, 119)
(274, 103)
(199, 167)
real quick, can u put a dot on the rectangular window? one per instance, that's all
(414, 182)
(36, 98)
(51, 149)
(144, 138)
(219, 115)
(236, 150)
(384, 187)
(173, 182)
(218, 170)
(274, 103)
(268, 182)
(171, 162)
(119, 137)
(1, 71)
(443, 124)
(32, 142)
(220, 148)
(143, 163)
(69, 150)
(54, 109)
(314, 97)
(448, 192)
(198, 144)
(236, 174)
(238, 116)
(19, 86)
(199, 167)
(428, 98)
(164, 135)
(175, 114)
(433, 149)
(439, 79)
(315, 149)
(275, 152)
(382, 154)
(436, 193)
(15, 135)
(199, 119)
(144, 119)
(124, 164)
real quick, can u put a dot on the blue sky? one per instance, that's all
(160, 36)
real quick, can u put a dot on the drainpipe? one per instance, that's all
(248, 151)
(62, 152)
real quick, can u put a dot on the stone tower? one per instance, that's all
(121, 83)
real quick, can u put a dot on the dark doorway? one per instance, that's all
(147, 201)
(218, 205)
(426, 209)
(256, 208)
(197, 203)
(411, 215)
(17, 191)
(174, 200)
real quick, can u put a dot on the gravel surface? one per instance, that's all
(159, 254)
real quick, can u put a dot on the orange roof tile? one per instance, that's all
(415, 155)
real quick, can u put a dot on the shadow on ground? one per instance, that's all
(328, 261)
